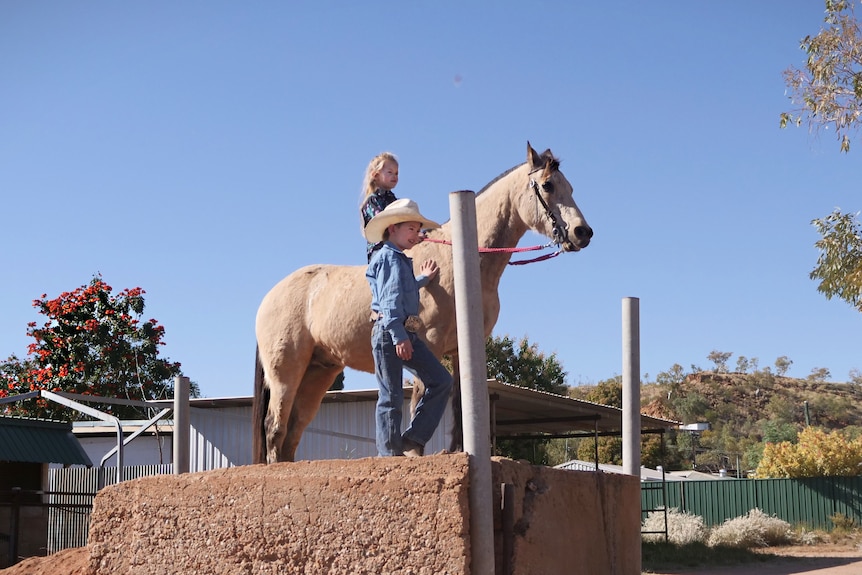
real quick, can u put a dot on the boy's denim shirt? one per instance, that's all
(394, 289)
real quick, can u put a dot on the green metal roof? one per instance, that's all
(40, 441)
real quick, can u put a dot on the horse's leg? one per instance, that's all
(283, 379)
(277, 417)
(315, 383)
(457, 417)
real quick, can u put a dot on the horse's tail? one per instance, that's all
(415, 395)
(260, 406)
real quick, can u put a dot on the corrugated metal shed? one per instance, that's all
(523, 412)
(40, 441)
(221, 434)
(344, 426)
(221, 428)
(647, 474)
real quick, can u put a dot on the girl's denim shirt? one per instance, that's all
(372, 206)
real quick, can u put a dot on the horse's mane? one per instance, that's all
(500, 177)
(547, 155)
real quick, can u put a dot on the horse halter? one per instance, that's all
(561, 233)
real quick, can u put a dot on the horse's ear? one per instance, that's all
(552, 164)
(534, 159)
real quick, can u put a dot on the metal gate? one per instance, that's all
(45, 522)
(71, 500)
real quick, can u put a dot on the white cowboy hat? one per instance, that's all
(403, 210)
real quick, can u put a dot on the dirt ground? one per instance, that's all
(809, 560)
(67, 562)
(825, 559)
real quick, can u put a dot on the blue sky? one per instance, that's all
(205, 150)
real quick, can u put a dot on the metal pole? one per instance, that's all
(474, 377)
(631, 387)
(15, 525)
(63, 400)
(181, 425)
(137, 433)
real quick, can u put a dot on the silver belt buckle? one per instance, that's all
(413, 323)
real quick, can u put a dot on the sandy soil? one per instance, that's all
(67, 562)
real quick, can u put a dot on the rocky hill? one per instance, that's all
(744, 411)
(742, 399)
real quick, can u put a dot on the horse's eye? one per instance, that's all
(548, 187)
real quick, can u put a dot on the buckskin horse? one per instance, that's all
(315, 321)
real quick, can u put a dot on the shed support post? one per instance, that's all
(631, 387)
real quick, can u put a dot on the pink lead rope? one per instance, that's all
(509, 250)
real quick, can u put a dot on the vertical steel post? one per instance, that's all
(631, 387)
(14, 525)
(474, 377)
(181, 425)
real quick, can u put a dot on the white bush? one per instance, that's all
(806, 537)
(754, 529)
(682, 528)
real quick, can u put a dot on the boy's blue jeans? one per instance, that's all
(388, 368)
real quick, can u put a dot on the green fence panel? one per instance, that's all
(716, 501)
(810, 502)
(656, 495)
(848, 498)
(806, 502)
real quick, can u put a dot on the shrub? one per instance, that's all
(682, 528)
(816, 454)
(754, 529)
(806, 537)
(842, 523)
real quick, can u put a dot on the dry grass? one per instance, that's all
(751, 539)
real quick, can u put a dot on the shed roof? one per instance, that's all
(519, 412)
(40, 441)
(647, 474)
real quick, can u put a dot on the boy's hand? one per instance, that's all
(429, 269)
(404, 349)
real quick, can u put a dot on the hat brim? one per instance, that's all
(378, 224)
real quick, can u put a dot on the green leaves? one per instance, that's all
(829, 91)
(522, 364)
(839, 265)
(525, 367)
(815, 454)
(92, 342)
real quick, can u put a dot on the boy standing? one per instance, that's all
(394, 341)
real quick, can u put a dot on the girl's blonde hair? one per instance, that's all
(374, 166)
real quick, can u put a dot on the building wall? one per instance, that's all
(144, 450)
(222, 437)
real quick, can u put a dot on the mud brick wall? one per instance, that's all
(368, 516)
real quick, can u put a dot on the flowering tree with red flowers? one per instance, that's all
(93, 343)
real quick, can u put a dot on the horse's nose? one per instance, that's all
(584, 233)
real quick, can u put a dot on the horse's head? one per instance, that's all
(548, 206)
